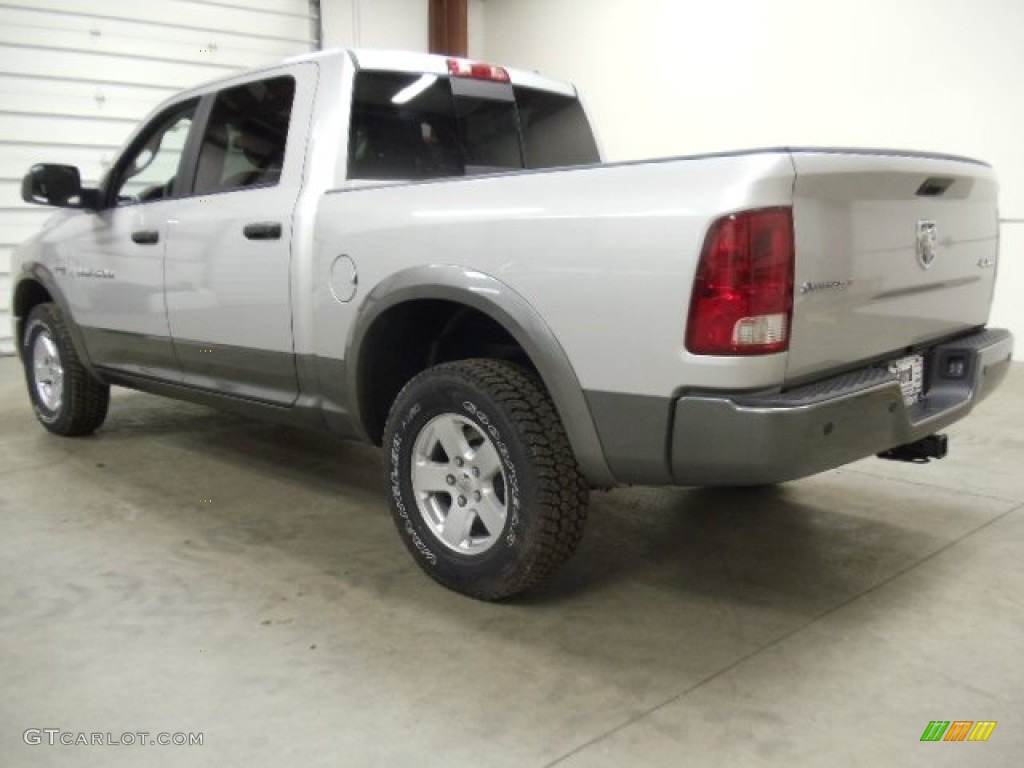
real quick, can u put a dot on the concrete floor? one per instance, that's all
(190, 571)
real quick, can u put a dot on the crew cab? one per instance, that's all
(427, 253)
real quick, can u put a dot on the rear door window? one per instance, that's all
(246, 135)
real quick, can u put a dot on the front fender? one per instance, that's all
(35, 275)
(518, 317)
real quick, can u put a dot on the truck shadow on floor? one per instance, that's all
(796, 548)
(781, 547)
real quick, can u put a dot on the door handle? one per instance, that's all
(262, 230)
(146, 237)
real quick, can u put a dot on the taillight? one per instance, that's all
(742, 300)
(477, 70)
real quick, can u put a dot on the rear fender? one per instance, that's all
(509, 309)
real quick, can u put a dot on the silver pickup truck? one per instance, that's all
(427, 253)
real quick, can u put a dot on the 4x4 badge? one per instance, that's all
(927, 240)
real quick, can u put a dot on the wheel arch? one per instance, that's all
(37, 285)
(462, 289)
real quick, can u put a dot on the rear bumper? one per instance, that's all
(713, 439)
(743, 441)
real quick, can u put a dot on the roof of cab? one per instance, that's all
(409, 61)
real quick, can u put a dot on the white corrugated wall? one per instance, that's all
(76, 76)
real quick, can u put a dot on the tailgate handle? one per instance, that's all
(263, 230)
(146, 237)
(934, 187)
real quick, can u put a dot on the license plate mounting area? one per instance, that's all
(909, 372)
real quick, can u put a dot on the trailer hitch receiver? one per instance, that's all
(920, 451)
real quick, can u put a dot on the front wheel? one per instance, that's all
(484, 487)
(67, 399)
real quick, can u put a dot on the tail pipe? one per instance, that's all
(920, 451)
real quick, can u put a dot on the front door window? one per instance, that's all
(150, 172)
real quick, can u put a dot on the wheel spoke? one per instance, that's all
(51, 349)
(487, 460)
(430, 477)
(455, 528)
(449, 433)
(47, 371)
(492, 513)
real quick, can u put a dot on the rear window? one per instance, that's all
(411, 126)
(555, 130)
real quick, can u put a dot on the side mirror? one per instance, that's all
(59, 185)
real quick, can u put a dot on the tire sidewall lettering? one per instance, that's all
(514, 497)
(395, 479)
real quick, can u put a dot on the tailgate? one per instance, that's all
(892, 251)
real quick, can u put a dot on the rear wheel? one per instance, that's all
(67, 399)
(484, 487)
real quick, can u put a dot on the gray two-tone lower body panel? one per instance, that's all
(704, 438)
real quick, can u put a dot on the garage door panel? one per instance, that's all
(97, 67)
(98, 27)
(6, 341)
(32, 95)
(43, 129)
(290, 7)
(152, 41)
(77, 76)
(21, 224)
(10, 195)
(5, 288)
(196, 15)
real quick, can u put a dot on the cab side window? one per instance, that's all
(424, 126)
(403, 127)
(150, 171)
(245, 138)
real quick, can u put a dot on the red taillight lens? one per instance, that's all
(742, 300)
(477, 70)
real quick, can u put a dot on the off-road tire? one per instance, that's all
(544, 494)
(79, 402)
